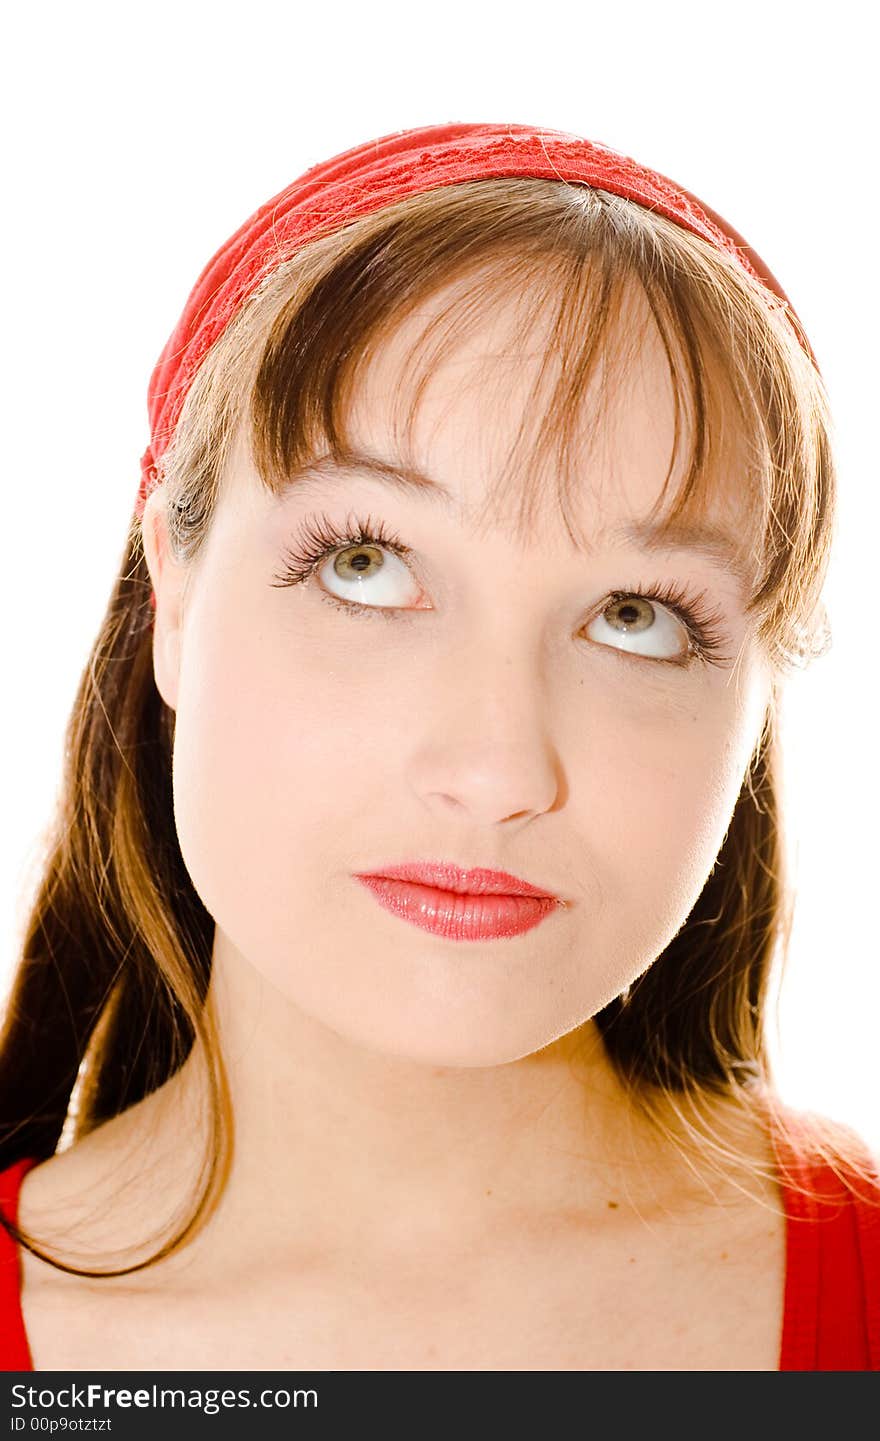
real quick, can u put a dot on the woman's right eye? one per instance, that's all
(368, 575)
(360, 564)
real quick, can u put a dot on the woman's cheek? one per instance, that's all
(667, 784)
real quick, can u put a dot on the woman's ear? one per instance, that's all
(168, 578)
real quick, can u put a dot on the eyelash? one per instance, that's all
(319, 537)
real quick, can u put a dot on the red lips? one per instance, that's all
(463, 905)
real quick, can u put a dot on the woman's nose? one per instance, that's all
(486, 753)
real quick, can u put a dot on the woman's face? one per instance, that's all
(490, 706)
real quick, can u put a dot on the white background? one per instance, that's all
(137, 141)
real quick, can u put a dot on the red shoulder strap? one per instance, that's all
(14, 1350)
(832, 1286)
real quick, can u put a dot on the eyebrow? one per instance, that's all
(712, 541)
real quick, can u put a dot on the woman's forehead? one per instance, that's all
(462, 400)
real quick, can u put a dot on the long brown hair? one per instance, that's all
(108, 997)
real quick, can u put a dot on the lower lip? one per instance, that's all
(459, 917)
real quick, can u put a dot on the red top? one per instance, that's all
(831, 1318)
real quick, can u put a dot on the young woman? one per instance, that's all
(394, 996)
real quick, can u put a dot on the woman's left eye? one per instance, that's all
(362, 569)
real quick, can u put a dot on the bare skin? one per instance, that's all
(435, 1166)
(672, 1270)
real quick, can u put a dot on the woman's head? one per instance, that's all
(595, 369)
(569, 366)
(489, 703)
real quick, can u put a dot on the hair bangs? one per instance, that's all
(586, 308)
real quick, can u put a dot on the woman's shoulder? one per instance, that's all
(11, 1180)
(825, 1155)
(86, 1204)
(830, 1182)
(83, 1207)
(55, 1201)
(97, 1191)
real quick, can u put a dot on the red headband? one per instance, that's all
(374, 175)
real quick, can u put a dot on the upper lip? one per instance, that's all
(478, 881)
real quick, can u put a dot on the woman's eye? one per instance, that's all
(367, 574)
(365, 568)
(634, 623)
